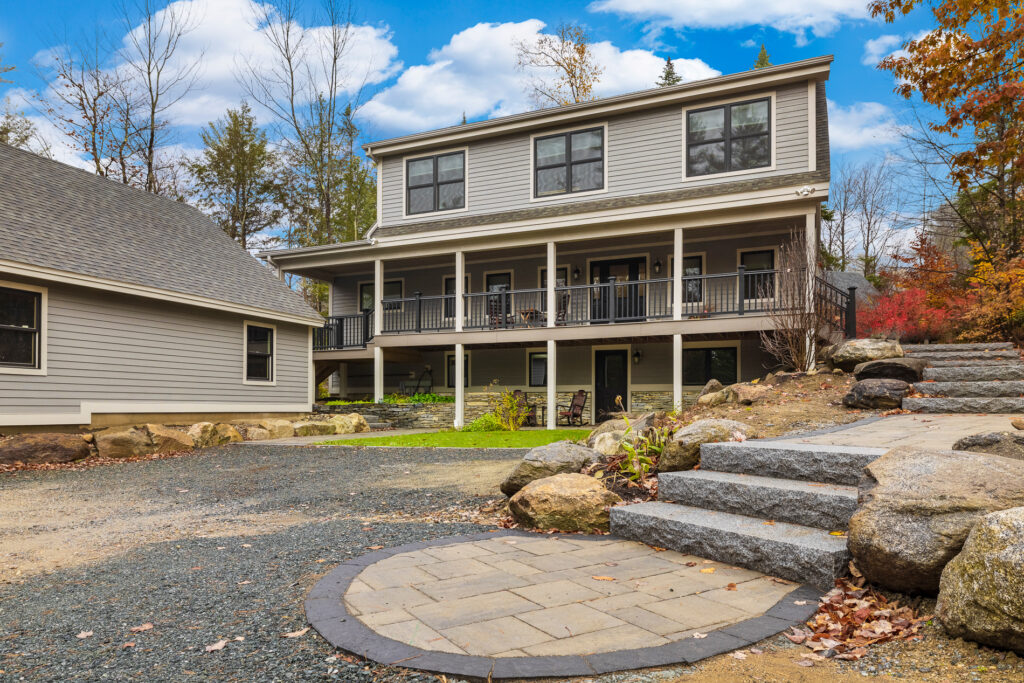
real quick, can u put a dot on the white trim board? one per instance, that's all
(88, 408)
(44, 329)
(272, 382)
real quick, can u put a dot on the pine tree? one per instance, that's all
(763, 59)
(669, 75)
(463, 118)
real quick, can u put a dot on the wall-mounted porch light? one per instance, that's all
(638, 355)
(576, 273)
(657, 266)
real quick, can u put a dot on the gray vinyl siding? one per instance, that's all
(643, 152)
(111, 347)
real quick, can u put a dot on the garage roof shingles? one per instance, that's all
(60, 217)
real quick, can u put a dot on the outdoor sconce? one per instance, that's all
(657, 266)
(637, 356)
(576, 273)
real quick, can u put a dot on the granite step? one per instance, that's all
(825, 506)
(976, 373)
(788, 551)
(972, 363)
(787, 460)
(1003, 354)
(981, 346)
(964, 405)
(1013, 388)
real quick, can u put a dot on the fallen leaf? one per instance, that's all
(603, 578)
(374, 547)
(707, 570)
(730, 587)
(219, 645)
(247, 545)
(242, 583)
(691, 564)
(140, 629)
(756, 651)
(770, 522)
(83, 635)
(804, 662)
(800, 602)
(656, 548)
(700, 635)
(129, 644)
(837, 533)
(239, 638)
(738, 654)
(296, 634)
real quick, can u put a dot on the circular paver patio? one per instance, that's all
(514, 604)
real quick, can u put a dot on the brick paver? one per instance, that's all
(518, 596)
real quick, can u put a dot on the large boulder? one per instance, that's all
(849, 354)
(917, 507)
(164, 439)
(981, 594)
(254, 432)
(1006, 444)
(123, 442)
(34, 449)
(711, 387)
(561, 457)
(714, 398)
(279, 429)
(206, 434)
(314, 428)
(906, 369)
(225, 433)
(682, 450)
(565, 502)
(353, 423)
(747, 394)
(616, 425)
(876, 393)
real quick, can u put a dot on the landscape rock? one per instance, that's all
(617, 425)
(610, 443)
(203, 434)
(353, 423)
(313, 428)
(164, 439)
(981, 594)
(905, 369)
(279, 429)
(561, 457)
(714, 398)
(254, 432)
(747, 394)
(565, 502)
(917, 507)
(711, 387)
(682, 450)
(876, 393)
(849, 354)
(33, 449)
(123, 442)
(1006, 444)
(225, 433)
(1017, 422)
(783, 377)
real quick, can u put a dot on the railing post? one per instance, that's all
(367, 335)
(419, 310)
(611, 300)
(741, 287)
(851, 313)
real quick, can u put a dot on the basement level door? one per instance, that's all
(611, 379)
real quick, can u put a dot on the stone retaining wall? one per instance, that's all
(646, 401)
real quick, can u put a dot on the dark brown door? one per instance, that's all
(623, 300)
(611, 380)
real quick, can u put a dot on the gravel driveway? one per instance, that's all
(218, 546)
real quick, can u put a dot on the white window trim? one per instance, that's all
(44, 330)
(570, 195)
(465, 180)
(772, 135)
(722, 344)
(246, 324)
(511, 278)
(469, 369)
(775, 259)
(377, 299)
(526, 359)
(568, 274)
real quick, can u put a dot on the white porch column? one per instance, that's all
(378, 374)
(677, 274)
(460, 386)
(811, 239)
(552, 371)
(378, 294)
(460, 290)
(552, 277)
(677, 371)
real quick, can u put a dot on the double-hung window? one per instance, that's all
(435, 183)
(730, 137)
(259, 353)
(20, 328)
(537, 367)
(568, 162)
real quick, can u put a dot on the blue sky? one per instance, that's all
(425, 63)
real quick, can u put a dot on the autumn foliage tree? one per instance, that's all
(563, 67)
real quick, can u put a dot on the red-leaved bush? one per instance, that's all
(907, 316)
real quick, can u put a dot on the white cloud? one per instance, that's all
(877, 49)
(475, 74)
(749, 42)
(861, 125)
(820, 18)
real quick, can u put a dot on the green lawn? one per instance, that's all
(521, 439)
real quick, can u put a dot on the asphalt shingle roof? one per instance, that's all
(57, 216)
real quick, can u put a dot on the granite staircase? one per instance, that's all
(771, 506)
(968, 378)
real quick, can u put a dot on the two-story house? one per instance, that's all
(625, 246)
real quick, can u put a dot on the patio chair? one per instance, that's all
(531, 411)
(574, 411)
(562, 310)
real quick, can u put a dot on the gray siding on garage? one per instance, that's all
(110, 347)
(644, 154)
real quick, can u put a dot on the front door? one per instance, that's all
(611, 380)
(618, 301)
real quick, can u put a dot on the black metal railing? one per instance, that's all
(418, 313)
(839, 308)
(344, 332)
(506, 309)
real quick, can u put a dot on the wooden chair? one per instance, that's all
(574, 411)
(562, 311)
(524, 406)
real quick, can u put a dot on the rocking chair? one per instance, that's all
(574, 411)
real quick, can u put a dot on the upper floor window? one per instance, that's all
(259, 353)
(568, 162)
(436, 183)
(20, 328)
(731, 137)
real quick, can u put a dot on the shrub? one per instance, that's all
(906, 315)
(485, 423)
(509, 411)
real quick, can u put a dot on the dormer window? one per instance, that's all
(731, 137)
(435, 183)
(568, 162)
